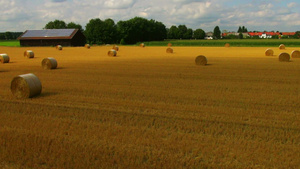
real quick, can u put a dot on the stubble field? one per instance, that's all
(149, 109)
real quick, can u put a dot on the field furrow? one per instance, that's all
(149, 109)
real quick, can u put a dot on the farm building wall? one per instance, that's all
(78, 39)
(45, 42)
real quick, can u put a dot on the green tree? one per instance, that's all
(75, 26)
(8, 35)
(133, 30)
(297, 35)
(217, 32)
(140, 29)
(93, 31)
(199, 34)
(173, 32)
(182, 31)
(243, 29)
(240, 29)
(110, 31)
(188, 34)
(157, 30)
(2, 35)
(241, 35)
(100, 32)
(57, 24)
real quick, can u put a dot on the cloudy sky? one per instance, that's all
(277, 15)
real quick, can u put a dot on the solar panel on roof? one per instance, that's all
(48, 33)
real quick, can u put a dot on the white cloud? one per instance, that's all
(143, 14)
(19, 15)
(266, 6)
(119, 4)
(292, 5)
(283, 11)
(187, 1)
(5, 4)
(58, 0)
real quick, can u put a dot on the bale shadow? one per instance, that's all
(55, 68)
(60, 68)
(46, 94)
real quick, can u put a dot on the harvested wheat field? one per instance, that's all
(149, 109)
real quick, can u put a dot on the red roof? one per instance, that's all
(288, 33)
(267, 33)
(271, 33)
(255, 33)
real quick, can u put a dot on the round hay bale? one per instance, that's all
(142, 45)
(87, 46)
(169, 50)
(282, 46)
(4, 58)
(29, 54)
(295, 54)
(201, 60)
(49, 63)
(112, 52)
(284, 57)
(59, 47)
(26, 86)
(169, 44)
(227, 45)
(269, 52)
(116, 48)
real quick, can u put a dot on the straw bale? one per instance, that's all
(169, 44)
(269, 52)
(284, 57)
(201, 60)
(4, 58)
(142, 45)
(29, 54)
(87, 46)
(282, 46)
(112, 52)
(59, 47)
(295, 54)
(26, 86)
(169, 50)
(49, 63)
(227, 45)
(115, 47)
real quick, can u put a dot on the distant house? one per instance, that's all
(270, 34)
(52, 37)
(209, 35)
(245, 34)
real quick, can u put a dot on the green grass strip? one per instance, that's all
(12, 43)
(235, 42)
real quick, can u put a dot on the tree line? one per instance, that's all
(134, 30)
(9, 35)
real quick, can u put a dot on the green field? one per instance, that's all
(232, 42)
(9, 43)
(214, 43)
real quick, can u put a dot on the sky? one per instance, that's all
(255, 15)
